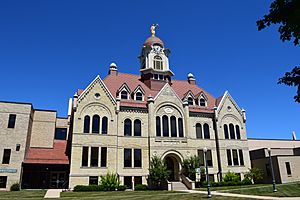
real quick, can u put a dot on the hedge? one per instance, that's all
(90, 188)
(140, 187)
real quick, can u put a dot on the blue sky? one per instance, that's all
(48, 49)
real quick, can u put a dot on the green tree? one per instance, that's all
(255, 174)
(158, 172)
(189, 166)
(286, 13)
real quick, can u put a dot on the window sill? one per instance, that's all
(235, 165)
(132, 168)
(86, 167)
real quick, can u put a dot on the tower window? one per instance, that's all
(231, 130)
(190, 101)
(86, 126)
(180, 127)
(137, 127)
(165, 121)
(206, 131)
(124, 95)
(202, 102)
(158, 63)
(11, 121)
(158, 126)
(198, 131)
(96, 124)
(104, 125)
(127, 127)
(173, 127)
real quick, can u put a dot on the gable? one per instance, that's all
(227, 103)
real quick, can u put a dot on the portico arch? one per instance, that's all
(173, 161)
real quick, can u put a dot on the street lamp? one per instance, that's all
(272, 171)
(207, 176)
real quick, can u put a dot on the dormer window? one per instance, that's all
(124, 94)
(190, 101)
(202, 102)
(138, 96)
(157, 63)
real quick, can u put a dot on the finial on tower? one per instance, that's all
(153, 27)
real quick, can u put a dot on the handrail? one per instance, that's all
(187, 182)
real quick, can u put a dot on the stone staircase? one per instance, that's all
(178, 186)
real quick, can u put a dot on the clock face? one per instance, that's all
(157, 49)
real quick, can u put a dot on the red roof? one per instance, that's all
(55, 155)
(181, 87)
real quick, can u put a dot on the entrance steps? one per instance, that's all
(178, 186)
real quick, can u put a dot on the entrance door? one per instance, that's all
(57, 179)
(171, 168)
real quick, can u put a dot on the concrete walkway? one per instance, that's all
(53, 193)
(241, 195)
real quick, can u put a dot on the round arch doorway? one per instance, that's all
(173, 163)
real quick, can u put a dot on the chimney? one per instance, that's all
(113, 69)
(191, 79)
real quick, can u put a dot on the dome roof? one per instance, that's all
(153, 40)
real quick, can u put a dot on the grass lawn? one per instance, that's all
(232, 187)
(24, 194)
(283, 190)
(140, 195)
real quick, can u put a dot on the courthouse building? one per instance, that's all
(116, 124)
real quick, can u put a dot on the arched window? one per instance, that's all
(190, 101)
(173, 127)
(124, 94)
(158, 63)
(127, 127)
(138, 96)
(137, 127)
(231, 130)
(180, 127)
(238, 133)
(96, 124)
(165, 121)
(202, 102)
(226, 131)
(86, 125)
(104, 125)
(198, 131)
(158, 127)
(206, 131)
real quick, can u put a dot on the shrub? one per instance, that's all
(158, 172)
(88, 188)
(15, 187)
(121, 188)
(231, 177)
(110, 182)
(189, 166)
(139, 187)
(255, 174)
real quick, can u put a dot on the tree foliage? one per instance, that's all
(231, 177)
(255, 174)
(189, 166)
(158, 172)
(110, 182)
(286, 13)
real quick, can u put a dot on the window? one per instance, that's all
(138, 180)
(198, 131)
(127, 127)
(173, 127)
(6, 156)
(229, 157)
(94, 156)
(18, 146)
(165, 126)
(104, 125)
(180, 127)
(137, 127)
(241, 157)
(201, 157)
(127, 158)
(137, 158)
(190, 101)
(96, 124)
(161, 77)
(202, 102)
(60, 134)
(288, 168)
(103, 156)
(11, 121)
(235, 157)
(86, 126)
(226, 131)
(93, 180)
(158, 127)
(124, 94)
(139, 96)
(128, 182)
(231, 129)
(209, 158)
(237, 130)
(3, 180)
(158, 63)
(206, 131)
(85, 156)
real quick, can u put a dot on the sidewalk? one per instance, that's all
(53, 193)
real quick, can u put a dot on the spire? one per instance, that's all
(153, 27)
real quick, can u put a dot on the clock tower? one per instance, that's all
(154, 60)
